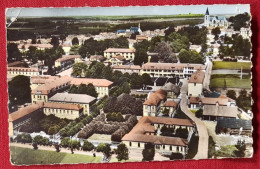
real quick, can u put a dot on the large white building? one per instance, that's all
(169, 70)
(215, 21)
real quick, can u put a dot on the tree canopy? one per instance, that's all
(240, 20)
(190, 57)
(19, 90)
(122, 152)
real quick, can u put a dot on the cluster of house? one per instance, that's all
(49, 96)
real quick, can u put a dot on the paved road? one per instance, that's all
(201, 128)
(206, 81)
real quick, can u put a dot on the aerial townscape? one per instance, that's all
(91, 89)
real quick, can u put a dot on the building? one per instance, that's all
(128, 54)
(25, 47)
(83, 100)
(246, 33)
(234, 127)
(195, 84)
(146, 131)
(116, 60)
(43, 92)
(98, 58)
(23, 71)
(172, 90)
(23, 115)
(215, 112)
(199, 102)
(67, 60)
(196, 48)
(37, 81)
(127, 68)
(102, 86)
(152, 106)
(182, 70)
(215, 21)
(68, 111)
(15, 64)
(128, 32)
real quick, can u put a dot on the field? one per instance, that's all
(100, 137)
(232, 81)
(231, 65)
(28, 156)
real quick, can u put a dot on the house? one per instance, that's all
(152, 106)
(215, 21)
(98, 58)
(170, 106)
(145, 131)
(115, 60)
(102, 86)
(172, 90)
(195, 84)
(169, 70)
(69, 111)
(128, 54)
(215, 112)
(246, 33)
(23, 71)
(199, 102)
(43, 92)
(127, 68)
(23, 115)
(234, 127)
(83, 100)
(196, 48)
(25, 47)
(67, 60)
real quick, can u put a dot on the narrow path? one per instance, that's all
(201, 128)
(208, 71)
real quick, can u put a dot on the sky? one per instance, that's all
(126, 11)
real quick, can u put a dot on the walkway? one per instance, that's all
(201, 128)
(206, 81)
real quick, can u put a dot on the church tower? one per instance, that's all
(207, 18)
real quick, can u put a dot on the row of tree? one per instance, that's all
(100, 126)
(243, 101)
(115, 117)
(84, 89)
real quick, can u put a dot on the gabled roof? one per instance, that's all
(170, 104)
(197, 77)
(72, 98)
(156, 97)
(171, 87)
(95, 82)
(221, 111)
(120, 50)
(234, 124)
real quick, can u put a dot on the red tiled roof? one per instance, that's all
(170, 104)
(67, 57)
(120, 50)
(95, 82)
(197, 77)
(156, 97)
(209, 100)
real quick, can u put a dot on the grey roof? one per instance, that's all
(72, 98)
(207, 11)
(171, 87)
(222, 111)
(234, 124)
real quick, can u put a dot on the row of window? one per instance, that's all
(158, 146)
(61, 111)
(24, 73)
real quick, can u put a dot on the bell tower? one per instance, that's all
(206, 18)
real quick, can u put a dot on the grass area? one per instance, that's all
(213, 76)
(101, 137)
(231, 65)
(231, 83)
(193, 111)
(28, 156)
(226, 151)
(116, 160)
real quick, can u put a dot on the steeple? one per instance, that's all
(207, 11)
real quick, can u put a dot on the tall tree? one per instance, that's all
(87, 146)
(240, 20)
(216, 31)
(19, 90)
(178, 42)
(104, 148)
(146, 79)
(55, 42)
(148, 152)
(122, 152)
(232, 94)
(75, 41)
(164, 51)
(13, 53)
(141, 57)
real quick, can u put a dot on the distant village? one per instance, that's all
(181, 92)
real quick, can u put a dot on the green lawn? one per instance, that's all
(231, 82)
(100, 137)
(231, 65)
(28, 156)
(226, 151)
(193, 111)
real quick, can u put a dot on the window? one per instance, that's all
(170, 148)
(194, 84)
(130, 144)
(163, 146)
(138, 144)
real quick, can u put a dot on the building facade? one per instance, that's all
(195, 84)
(128, 54)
